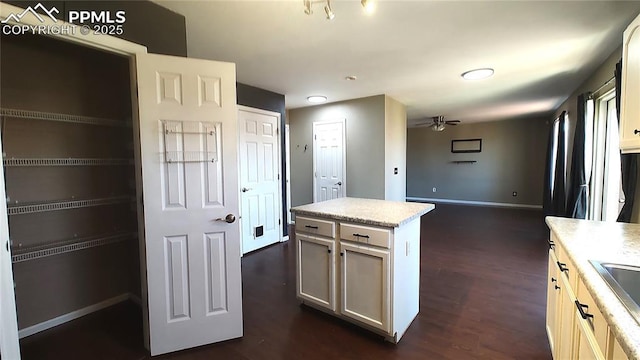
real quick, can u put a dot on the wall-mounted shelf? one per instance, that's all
(464, 161)
(61, 247)
(47, 116)
(25, 162)
(65, 205)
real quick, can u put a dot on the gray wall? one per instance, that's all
(365, 122)
(395, 153)
(512, 159)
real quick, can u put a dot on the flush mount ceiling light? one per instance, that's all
(316, 99)
(477, 74)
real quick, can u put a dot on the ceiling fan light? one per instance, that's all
(316, 99)
(307, 7)
(477, 74)
(437, 127)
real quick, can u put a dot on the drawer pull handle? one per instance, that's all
(311, 227)
(557, 287)
(581, 307)
(553, 280)
(362, 236)
(552, 245)
(636, 132)
(563, 267)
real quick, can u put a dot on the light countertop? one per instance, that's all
(366, 211)
(607, 242)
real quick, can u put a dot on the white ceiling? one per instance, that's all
(413, 51)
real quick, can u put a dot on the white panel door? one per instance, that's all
(9, 347)
(188, 141)
(259, 178)
(329, 160)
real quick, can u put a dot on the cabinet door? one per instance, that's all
(587, 345)
(630, 107)
(365, 285)
(316, 270)
(553, 290)
(566, 318)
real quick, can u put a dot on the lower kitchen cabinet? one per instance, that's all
(576, 328)
(316, 271)
(365, 285)
(367, 275)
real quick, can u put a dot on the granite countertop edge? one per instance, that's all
(361, 220)
(620, 321)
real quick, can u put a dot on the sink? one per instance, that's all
(624, 280)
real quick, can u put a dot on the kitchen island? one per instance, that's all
(359, 259)
(585, 318)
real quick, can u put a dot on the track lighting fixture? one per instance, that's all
(367, 5)
(327, 9)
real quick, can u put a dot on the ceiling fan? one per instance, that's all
(438, 123)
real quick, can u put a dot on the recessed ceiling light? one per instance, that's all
(316, 99)
(477, 74)
(351, 78)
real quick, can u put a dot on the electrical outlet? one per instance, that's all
(434, 189)
(515, 193)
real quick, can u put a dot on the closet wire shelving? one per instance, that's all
(75, 244)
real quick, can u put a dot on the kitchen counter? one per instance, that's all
(366, 211)
(606, 242)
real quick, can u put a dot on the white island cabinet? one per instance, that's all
(359, 259)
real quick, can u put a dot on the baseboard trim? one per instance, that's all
(285, 238)
(474, 203)
(135, 299)
(45, 325)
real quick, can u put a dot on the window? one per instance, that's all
(605, 186)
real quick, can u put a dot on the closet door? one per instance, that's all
(9, 348)
(188, 142)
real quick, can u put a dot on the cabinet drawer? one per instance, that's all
(366, 234)
(316, 226)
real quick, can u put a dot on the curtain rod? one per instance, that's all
(602, 87)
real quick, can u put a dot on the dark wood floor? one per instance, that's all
(483, 274)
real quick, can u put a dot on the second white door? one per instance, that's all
(259, 178)
(329, 160)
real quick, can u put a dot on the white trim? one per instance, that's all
(344, 154)
(475, 203)
(45, 325)
(285, 238)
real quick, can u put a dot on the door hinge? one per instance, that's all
(278, 176)
(279, 222)
(315, 137)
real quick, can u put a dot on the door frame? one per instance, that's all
(344, 154)
(124, 48)
(281, 178)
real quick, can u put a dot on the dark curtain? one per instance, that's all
(578, 196)
(559, 198)
(629, 162)
(548, 175)
(554, 202)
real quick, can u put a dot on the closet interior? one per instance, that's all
(67, 143)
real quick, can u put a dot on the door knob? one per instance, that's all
(339, 183)
(230, 218)
(244, 189)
